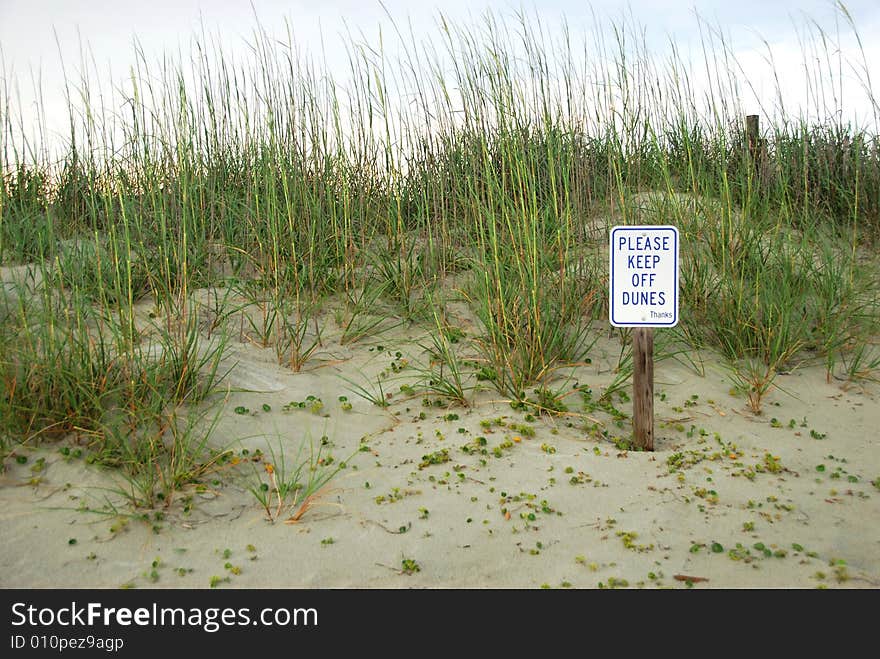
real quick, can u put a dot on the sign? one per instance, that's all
(644, 276)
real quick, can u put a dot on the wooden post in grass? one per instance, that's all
(643, 387)
(752, 133)
(753, 140)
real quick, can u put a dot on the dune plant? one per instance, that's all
(363, 314)
(285, 486)
(159, 451)
(57, 371)
(299, 335)
(373, 393)
(444, 375)
(401, 271)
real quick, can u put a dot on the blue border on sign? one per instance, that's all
(663, 227)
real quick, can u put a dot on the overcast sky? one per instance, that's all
(28, 29)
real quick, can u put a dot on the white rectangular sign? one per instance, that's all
(644, 276)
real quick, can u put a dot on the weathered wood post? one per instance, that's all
(755, 146)
(753, 135)
(643, 388)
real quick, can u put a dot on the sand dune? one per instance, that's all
(781, 500)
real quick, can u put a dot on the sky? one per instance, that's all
(40, 39)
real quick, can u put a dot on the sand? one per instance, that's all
(563, 508)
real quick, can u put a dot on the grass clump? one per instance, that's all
(292, 487)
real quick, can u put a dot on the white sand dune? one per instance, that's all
(756, 506)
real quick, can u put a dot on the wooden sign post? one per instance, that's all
(643, 286)
(643, 387)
